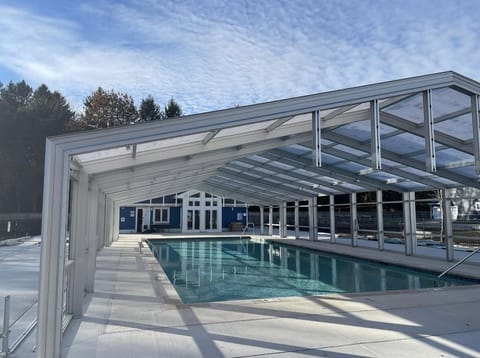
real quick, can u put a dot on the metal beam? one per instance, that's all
(317, 139)
(410, 223)
(375, 135)
(52, 261)
(210, 135)
(385, 168)
(367, 184)
(335, 137)
(447, 225)
(476, 131)
(380, 227)
(277, 123)
(292, 173)
(260, 183)
(430, 159)
(353, 219)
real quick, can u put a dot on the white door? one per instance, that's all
(201, 212)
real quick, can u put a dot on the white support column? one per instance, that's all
(312, 218)
(430, 158)
(93, 219)
(317, 151)
(52, 262)
(283, 219)
(101, 221)
(262, 223)
(410, 223)
(116, 221)
(297, 219)
(78, 245)
(353, 219)
(375, 135)
(476, 131)
(107, 222)
(380, 228)
(332, 218)
(270, 220)
(447, 225)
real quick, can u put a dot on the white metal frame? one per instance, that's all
(221, 138)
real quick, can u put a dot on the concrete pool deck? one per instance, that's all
(135, 312)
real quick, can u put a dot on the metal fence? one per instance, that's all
(19, 329)
(13, 225)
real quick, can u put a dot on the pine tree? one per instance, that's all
(149, 110)
(172, 109)
(108, 109)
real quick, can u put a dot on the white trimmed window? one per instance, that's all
(161, 216)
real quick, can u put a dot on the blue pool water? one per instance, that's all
(220, 270)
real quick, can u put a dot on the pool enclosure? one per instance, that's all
(407, 136)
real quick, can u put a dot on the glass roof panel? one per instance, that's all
(281, 165)
(243, 164)
(300, 118)
(447, 100)
(326, 142)
(410, 108)
(386, 129)
(412, 186)
(252, 174)
(446, 181)
(243, 129)
(382, 176)
(187, 139)
(404, 143)
(460, 127)
(349, 150)
(259, 158)
(270, 179)
(263, 170)
(305, 172)
(350, 187)
(330, 159)
(287, 177)
(467, 171)
(390, 163)
(358, 130)
(296, 149)
(351, 167)
(449, 156)
(104, 154)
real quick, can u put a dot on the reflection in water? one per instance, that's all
(219, 270)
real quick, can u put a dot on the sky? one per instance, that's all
(211, 55)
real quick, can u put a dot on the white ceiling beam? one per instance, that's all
(315, 180)
(413, 163)
(248, 139)
(210, 135)
(277, 123)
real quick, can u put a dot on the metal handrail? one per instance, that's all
(459, 262)
(7, 349)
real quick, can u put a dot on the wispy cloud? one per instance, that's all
(212, 56)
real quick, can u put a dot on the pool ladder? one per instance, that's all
(459, 262)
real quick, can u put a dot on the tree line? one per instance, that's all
(28, 116)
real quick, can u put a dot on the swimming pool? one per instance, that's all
(209, 270)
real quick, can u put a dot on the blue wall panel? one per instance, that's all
(174, 220)
(128, 221)
(230, 215)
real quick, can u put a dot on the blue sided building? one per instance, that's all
(192, 211)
